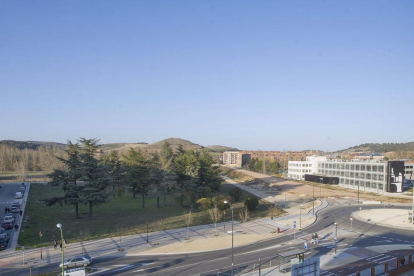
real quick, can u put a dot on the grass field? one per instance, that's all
(123, 212)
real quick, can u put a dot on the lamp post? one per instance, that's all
(300, 220)
(232, 237)
(336, 234)
(358, 192)
(63, 254)
(41, 249)
(313, 201)
(320, 187)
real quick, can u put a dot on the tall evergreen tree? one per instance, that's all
(95, 175)
(115, 171)
(68, 178)
(137, 173)
(186, 167)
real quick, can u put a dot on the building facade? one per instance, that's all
(367, 175)
(298, 169)
(235, 159)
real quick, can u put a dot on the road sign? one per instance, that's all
(294, 222)
(305, 246)
(335, 238)
(351, 219)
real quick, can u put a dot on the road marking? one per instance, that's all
(377, 260)
(373, 257)
(387, 260)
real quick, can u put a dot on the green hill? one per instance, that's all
(381, 147)
(174, 142)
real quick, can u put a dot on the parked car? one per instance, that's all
(22, 190)
(2, 230)
(18, 195)
(15, 204)
(81, 260)
(4, 241)
(14, 209)
(7, 225)
(9, 217)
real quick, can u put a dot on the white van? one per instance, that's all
(18, 195)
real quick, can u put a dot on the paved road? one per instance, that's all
(362, 235)
(7, 194)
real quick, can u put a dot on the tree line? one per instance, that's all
(270, 165)
(188, 174)
(27, 159)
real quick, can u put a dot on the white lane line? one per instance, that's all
(373, 257)
(387, 260)
(379, 259)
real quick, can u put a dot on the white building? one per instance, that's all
(369, 175)
(298, 169)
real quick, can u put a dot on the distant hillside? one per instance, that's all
(382, 148)
(32, 144)
(218, 148)
(175, 142)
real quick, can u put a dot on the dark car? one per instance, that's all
(4, 241)
(7, 225)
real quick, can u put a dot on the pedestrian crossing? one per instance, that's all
(380, 258)
(7, 202)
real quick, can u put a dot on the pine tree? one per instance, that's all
(95, 175)
(137, 173)
(68, 178)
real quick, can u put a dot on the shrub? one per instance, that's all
(236, 193)
(251, 202)
(205, 203)
(219, 202)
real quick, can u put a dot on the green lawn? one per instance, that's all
(125, 212)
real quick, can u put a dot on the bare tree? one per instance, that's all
(83, 234)
(215, 215)
(159, 225)
(189, 220)
(119, 229)
(244, 215)
(274, 211)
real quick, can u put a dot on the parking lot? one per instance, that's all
(7, 197)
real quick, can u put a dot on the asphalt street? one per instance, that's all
(7, 194)
(362, 235)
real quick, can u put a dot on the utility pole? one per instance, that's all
(264, 163)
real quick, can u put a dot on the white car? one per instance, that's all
(8, 218)
(81, 260)
(18, 195)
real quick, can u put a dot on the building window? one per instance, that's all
(368, 176)
(342, 181)
(362, 175)
(381, 186)
(342, 166)
(352, 167)
(381, 177)
(374, 168)
(362, 167)
(357, 167)
(356, 175)
(368, 184)
(346, 174)
(351, 182)
(342, 173)
(352, 175)
(380, 168)
(373, 185)
(347, 181)
(368, 168)
(374, 177)
(347, 167)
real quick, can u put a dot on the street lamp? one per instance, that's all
(336, 234)
(320, 187)
(300, 220)
(232, 236)
(63, 254)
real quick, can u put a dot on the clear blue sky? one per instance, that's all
(269, 75)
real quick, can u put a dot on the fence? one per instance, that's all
(391, 267)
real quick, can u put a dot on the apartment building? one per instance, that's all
(235, 159)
